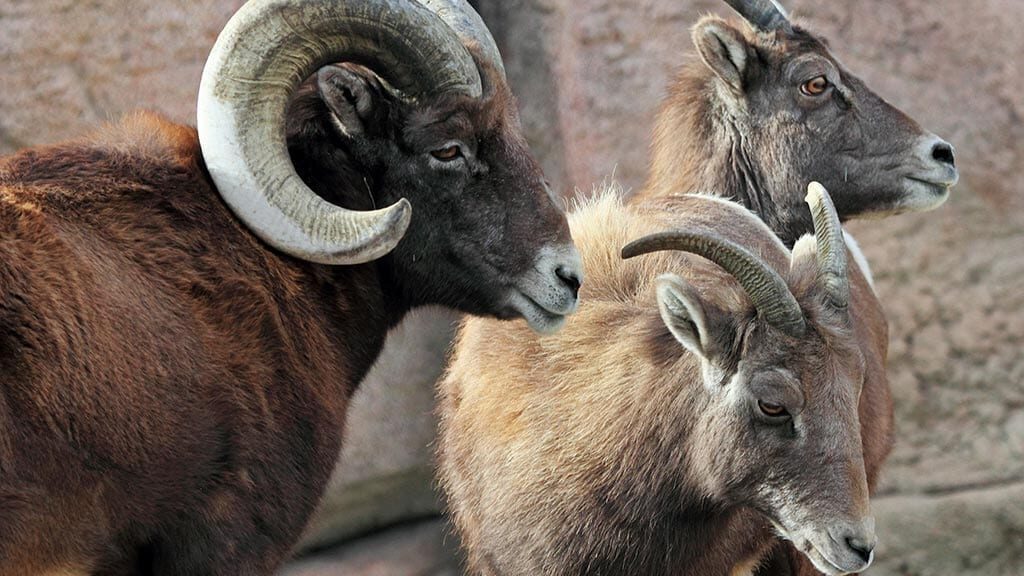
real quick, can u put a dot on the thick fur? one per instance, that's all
(169, 384)
(569, 455)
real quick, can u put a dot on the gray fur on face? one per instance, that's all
(739, 122)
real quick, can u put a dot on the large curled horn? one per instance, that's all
(832, 267)
(765, 15)
(766, 288)
(466, 22)
(267, 49)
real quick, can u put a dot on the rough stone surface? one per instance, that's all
(385, 471)
(962, 533)
(418, 549)
(68, 64)
(589, 75)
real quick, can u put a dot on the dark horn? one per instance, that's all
(765, 15)
(766, 288)
(467, 24)
(832, 265)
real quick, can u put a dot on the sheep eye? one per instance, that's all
(815, 86)
(447, 154)
(772, 410)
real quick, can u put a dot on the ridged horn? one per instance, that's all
(832, 265)
(765, 15)
(766, 288)
(466, 22)
(266, 50)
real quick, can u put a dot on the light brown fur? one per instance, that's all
(553, 449)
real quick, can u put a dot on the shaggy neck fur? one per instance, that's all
(701, 144)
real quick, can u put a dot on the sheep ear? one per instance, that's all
(685, 315)
(724, 50)
(349, 95)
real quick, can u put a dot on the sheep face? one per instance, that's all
(779, 430)
(799, 107)
(765, 111)
(488, 236)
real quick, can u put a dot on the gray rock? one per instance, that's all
(966, 533)
(419, 549)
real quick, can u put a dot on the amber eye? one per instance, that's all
(447, 154)
(815, 86)
(772, 410)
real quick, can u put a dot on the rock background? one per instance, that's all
(589, 74)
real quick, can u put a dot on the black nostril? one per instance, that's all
(943, 152)
(861, 548)
(570, 278)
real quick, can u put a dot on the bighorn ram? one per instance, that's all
(768, 109)
(692, 406)
(172, 387)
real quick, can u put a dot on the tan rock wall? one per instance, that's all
(67, 64)
(589, 74)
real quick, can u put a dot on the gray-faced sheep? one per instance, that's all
(692, 408)
(172, 389)
(768, 108)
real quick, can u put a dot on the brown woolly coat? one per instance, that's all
(150, 345)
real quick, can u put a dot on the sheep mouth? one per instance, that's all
(823, 555)
(540, 318)
(938, 178)
(822, 562)
(921, 193)
(940, 186)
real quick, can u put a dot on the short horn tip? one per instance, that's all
(401, 216)
(653, 243)
(815, 191)
(632, 249)
(396, 221)
(389, 228)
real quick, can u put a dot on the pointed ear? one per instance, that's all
(349, 95)
(724, 49)
(690, 320)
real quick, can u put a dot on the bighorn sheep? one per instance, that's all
(768, 108)
(172, 387)
(689, 407)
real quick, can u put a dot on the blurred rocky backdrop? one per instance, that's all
(589, 75)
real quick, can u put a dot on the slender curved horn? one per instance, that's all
(267, 49)
(832, 266)
(763, 14)
(766, 288)
(466, 22)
